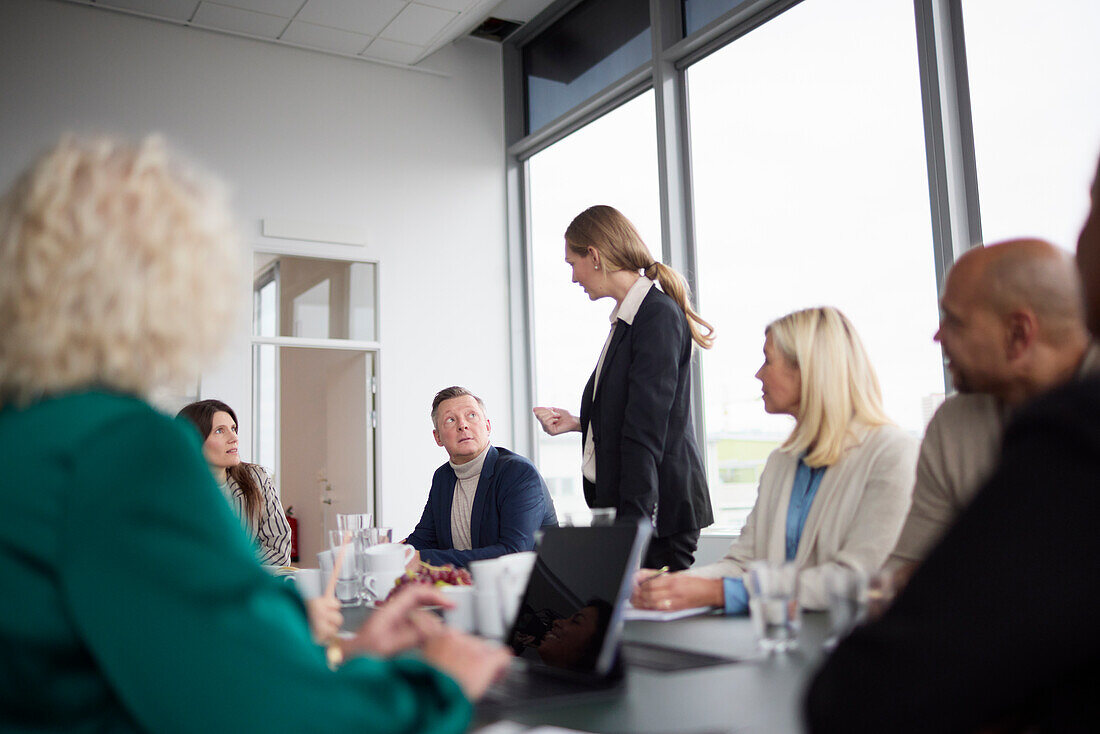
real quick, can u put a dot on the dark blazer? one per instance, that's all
(998, 624)
(646, 454)
(510, 504)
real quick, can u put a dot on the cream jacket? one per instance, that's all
(854, 521)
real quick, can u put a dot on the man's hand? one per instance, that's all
(472, 662)
(557, 420)
(675, 591)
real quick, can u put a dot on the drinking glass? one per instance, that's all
(365, 538)
(846, 589)
(342, 552)
(354, 521)
(773, 604)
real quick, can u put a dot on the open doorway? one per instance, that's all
(315, 362)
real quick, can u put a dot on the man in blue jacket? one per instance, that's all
(485, 501)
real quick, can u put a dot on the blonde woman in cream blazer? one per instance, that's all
(857, 470)
(854, 520)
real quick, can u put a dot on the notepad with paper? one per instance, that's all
(656, 615)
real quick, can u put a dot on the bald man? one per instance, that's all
(997, 630)
(1012, 328)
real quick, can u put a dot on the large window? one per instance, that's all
(795, 164)
(590, 47)
(810, 189)
(611, 161)
(1035, 94)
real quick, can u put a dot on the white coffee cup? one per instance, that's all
(499, 584)
(379, 585)
(309, 583)
(387, 557)
(462, 616)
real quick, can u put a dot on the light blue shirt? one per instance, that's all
(803, 491)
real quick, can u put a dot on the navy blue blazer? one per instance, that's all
(647, 459)
(510, 504)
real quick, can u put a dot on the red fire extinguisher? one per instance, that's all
(293, 534)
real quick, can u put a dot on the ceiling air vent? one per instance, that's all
(495, 29)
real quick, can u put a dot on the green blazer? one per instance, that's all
(132, 599)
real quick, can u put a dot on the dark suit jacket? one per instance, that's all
(646, 454)
(999, 623)
(510, 504)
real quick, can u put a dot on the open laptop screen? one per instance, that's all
(571, 614)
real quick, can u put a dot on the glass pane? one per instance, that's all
(611, 161)
(810, 188)
(590, 47)
(698, 13)
(315, 298)
(264, 405)
(311, 312)
(1034, 75)
(312, 411)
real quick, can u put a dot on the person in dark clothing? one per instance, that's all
(996, 630)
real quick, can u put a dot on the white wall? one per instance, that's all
(415, 158)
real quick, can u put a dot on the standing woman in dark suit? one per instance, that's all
(640, 453)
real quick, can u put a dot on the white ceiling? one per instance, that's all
(402, 32)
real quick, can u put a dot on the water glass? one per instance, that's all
(371, 588)
(846, 589)
(342, 552)
(773, 604)
(346, 523)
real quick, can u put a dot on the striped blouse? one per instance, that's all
(270, 531)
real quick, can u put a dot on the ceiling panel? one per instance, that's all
(456, 5)
(396, 31)
(181, 10)
(358, 16)
(418, 24)
(281, 8)
(401, 53)
(325, 38)
(214, 15)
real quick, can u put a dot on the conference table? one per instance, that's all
(757, 693)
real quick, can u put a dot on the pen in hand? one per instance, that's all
(660, 572)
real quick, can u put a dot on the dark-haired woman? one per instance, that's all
(248, 487)
(640, 453)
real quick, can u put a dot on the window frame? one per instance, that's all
(374, 348)
(949, 147)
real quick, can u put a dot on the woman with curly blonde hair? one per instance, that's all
(834, 494)
(640, 453)
(134, 591)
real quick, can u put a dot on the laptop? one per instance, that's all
(567, 634)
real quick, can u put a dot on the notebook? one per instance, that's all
(567, 633)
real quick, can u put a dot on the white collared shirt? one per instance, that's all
(625, 311)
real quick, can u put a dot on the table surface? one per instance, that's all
(758, 693)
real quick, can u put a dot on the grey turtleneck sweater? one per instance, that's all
(463, 503)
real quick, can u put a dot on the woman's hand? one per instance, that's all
(557, 420)
(325, 618)
(472, 662)
(675, 591)
(400, 624)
